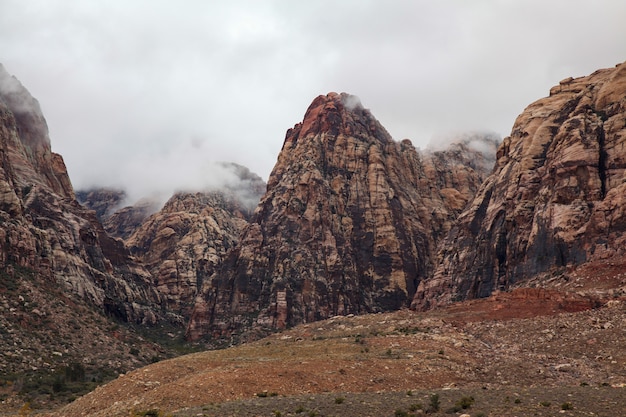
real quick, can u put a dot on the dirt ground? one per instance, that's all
(558, 352)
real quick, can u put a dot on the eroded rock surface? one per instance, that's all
(555, 199)
(45, 230)
(349, 224)
(183, 242)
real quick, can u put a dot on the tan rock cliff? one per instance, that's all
(555, 199)
(183, 242)
(349, 224)
(44, 229)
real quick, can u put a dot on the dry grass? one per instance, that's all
(388, 354)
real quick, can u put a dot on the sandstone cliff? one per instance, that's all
(183, 242)
(119, 222)
(44, 229)
(555, 199)
(349, 224)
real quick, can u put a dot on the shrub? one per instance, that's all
(415, 407)
(465, 402)
(75, 372)
(567, 406)
(339, 400)
(401, 413)
(434, 402)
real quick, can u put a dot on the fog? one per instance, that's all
(149, 95)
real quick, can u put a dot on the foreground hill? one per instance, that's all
(522, 353)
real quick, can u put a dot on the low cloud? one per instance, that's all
(485, 142)
(157, 175)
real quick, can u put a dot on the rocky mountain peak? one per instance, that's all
(349, 224)
(49, 232)
(554, 200)
(27, 141)
(340, 113)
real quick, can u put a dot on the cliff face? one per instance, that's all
(555, 199)
(349, 224)
(183, 242)
(44, 229)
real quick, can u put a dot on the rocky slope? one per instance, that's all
(119, 222)
(183, 242)
(349, 224)
(513, 358)
(554, 201)
(45, 230)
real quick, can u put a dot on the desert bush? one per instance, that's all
(567, 406)
(415, 407)
(435, 404)
(465, 402)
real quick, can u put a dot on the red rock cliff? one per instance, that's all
(555, 199)
(349, 224)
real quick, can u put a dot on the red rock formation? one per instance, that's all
(183, 242)
(349, 224)
(44, 229)
(555, 199)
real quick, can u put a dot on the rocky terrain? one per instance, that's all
(183, 242)
(350, 224)
(512, 358)
(555, 198)
(514, 273)
(119, 220)
(46, 231)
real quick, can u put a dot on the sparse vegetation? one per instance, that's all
(153, 412)
(434, 404)
(465, 402)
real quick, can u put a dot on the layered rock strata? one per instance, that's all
(349, 224)
(555, 199)
(44, 229)
(183, 242)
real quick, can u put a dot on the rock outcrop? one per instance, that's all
(183, 242)
(119, 222)
(555, 199)
(349, 224)
(44, 229)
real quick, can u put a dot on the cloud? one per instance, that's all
(145, 93)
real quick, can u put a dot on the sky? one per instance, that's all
(147, 95)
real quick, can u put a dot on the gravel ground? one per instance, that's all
(509, 401)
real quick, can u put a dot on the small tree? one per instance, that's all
(434, 402)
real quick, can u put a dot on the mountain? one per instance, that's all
(350, 223)
(44, 227)
(183, 242)
(555, 200)
(119, 222)
(64, 283)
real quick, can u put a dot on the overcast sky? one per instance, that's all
(145, 94)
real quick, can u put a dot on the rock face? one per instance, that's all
(183, 242)
(45, 230)
(104, 201)
(349, 224)
(555, 199)
(118, 222)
